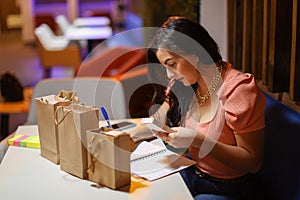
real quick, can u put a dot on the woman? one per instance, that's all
(216, 112)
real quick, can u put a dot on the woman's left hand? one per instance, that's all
(181, 138)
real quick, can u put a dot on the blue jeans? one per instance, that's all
(205, 189)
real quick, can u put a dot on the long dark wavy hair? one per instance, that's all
(181, 36)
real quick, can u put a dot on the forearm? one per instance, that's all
(235, 157)
(240, 157)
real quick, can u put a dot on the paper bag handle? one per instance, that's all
(62, 119)
(42, 100)
(93, 156)
(69, 95)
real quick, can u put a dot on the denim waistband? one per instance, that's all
(223, 180)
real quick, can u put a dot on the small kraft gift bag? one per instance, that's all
(109, 157)
(45, 114)
(73, 121)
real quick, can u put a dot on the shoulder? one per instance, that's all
(239, 83)
(243, 101)
(235, 79)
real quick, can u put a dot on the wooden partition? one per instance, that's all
(265, 40)
(279, 60)
(295, 57)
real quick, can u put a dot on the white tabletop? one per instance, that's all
(88, 33)
(91, 21)
(24, 174)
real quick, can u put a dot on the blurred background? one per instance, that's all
(252, 35)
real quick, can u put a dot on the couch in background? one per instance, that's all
(128, 65)
(281, 168)
(112, 62)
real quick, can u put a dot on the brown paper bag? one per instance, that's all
(73, 121)
(109, 157)
(45, 114)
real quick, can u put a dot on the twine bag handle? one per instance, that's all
(42, 100)
(62, 119)
(93, 155)
(69, 95)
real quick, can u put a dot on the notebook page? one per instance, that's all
(157, 164)
(146, 149)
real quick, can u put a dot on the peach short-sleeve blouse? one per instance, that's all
(241, 106)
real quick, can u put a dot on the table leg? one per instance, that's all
(90, 46)
(93, 43)
(4, 126)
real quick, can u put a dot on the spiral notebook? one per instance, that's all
(152, 160)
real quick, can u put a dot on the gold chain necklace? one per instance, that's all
(214, 83)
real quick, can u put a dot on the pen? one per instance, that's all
(168, 89)
(105, 115)
(170, 85)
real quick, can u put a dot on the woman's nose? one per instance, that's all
(170, 73)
